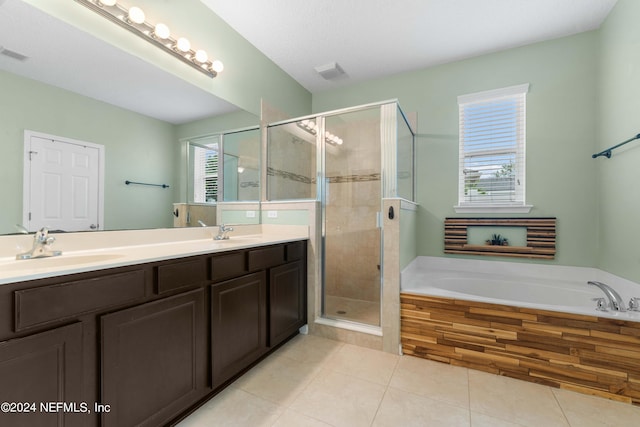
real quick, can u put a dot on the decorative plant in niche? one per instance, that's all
(497, 240)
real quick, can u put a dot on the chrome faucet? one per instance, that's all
(615, 300)
(41, 246)
(223, 232)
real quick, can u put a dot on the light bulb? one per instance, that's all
(240, 169)
(162, 31)
(183, 44)
(136, 15)
(217, 66)
(107, 2)
(201, 56)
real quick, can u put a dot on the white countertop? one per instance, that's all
(90, 251)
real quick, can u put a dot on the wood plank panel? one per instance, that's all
(540, 232)
(588, 354)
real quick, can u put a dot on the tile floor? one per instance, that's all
(312, 381)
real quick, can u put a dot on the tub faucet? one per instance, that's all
(41, 246)
(615, 300)
(223, 232)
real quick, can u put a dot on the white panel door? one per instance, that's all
(64, 190)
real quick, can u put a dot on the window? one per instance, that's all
(491, 175)
(205, 173)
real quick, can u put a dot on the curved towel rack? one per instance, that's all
(144, 183)
(607, 152)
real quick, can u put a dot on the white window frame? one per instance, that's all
(201, 175)
(488, 206)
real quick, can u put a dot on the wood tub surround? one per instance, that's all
(541, 237)
(588, 354)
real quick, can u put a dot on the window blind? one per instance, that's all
(492, 147)
(205, 175)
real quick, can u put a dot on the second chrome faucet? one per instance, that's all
(615, 301)
(223, 232)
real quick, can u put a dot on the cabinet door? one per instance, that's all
(154, 360)
(43, 368)
(287, 301)
(238, 324)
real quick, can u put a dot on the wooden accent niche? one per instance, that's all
(541, 237)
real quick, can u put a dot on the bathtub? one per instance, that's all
(546, 287)
(533, 322)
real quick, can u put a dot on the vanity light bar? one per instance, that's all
(133, 19)
(311, 127)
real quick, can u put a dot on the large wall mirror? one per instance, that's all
(57, 80)
(223, 179)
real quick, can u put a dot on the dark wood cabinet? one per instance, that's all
(287, 301)
(154, 360)
(147, 341)
(238, 324)
(39, 369)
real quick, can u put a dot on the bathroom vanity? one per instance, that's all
(144, 343)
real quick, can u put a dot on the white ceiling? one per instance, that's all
(113, 76)
(376, 38)
(368, 38)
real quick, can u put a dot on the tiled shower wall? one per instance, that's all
(353, 199)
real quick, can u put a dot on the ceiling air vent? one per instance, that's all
(13, 54)
(330, 71)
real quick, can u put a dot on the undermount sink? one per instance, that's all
(56, 261)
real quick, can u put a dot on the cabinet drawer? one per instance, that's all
(227, 266)
(295, 250)
(181, 275)
(259, 259)
(47, 304)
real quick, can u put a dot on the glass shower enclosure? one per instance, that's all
(349, 160)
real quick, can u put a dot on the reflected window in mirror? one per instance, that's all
(203, 170)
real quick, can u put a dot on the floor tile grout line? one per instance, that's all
(375, 415)
(555, 396)
(287, 407)
(386, 390)
(469, 397)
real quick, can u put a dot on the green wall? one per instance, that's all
(137, 148)
(561, 134)
(619, 112)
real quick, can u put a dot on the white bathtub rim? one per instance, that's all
(415, 279)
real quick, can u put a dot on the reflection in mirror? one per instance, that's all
(222, 192)
(241, 166)
(202, 184)
(202, 180)
(138, 116)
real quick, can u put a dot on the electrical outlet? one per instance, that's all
(251, 214)
(272, 214)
